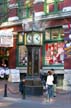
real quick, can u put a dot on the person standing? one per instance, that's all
(49, 85)
(22, 88)
(54, 82)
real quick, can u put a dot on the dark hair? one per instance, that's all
(49, 72)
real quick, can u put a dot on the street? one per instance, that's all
(61, 101)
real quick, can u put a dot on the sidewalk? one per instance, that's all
(13, 95)
(61, 101)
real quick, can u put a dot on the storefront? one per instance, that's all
(54, 52)
(6, 42)
(56, 45)
(8, 39)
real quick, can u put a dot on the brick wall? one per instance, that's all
(39, 7)
(12, 51)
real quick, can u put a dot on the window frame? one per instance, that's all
(17, 52)
(27, 8)
(51, 41)
(55, 4)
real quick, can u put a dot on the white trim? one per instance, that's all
(37, 1)
(38, 15)
(14, 18)
(66, 26)
(60, 68)
(12, 6)
(66, 9)
(9, 24)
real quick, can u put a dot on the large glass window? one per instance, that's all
(54, 47)
(22, 50)
(57, 34)
(54, 53)
(54, 34)
(4, 53)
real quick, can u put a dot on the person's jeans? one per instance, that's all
(50, 91)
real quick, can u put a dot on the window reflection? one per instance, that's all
(47, 35)
(54, 33)
(22, 55)
(54, 53)
(57, 34)
(20, 37)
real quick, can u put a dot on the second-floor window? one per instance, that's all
(25, 8)
(52, 5)
(3, 10)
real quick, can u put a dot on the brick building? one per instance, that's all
(41, 34)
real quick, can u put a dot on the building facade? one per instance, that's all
(41, 37)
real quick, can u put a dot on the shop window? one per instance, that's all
(54, 47)
(20, 38)
(47, 35)
(4, 53)
(57, 34)
(54, 34)
(22, 58)
(21, 50)
(54, 53)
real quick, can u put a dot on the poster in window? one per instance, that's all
(67, 49)
(54, 53)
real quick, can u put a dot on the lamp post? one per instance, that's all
(5, 86)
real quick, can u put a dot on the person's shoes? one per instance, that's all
(51, 100)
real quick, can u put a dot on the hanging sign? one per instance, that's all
(6, 41)
(6, 38)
